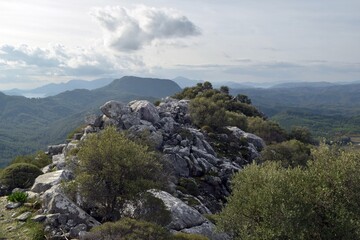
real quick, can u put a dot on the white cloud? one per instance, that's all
(25, 63)
(131, 29)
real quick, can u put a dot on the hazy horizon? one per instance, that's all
(241, 41)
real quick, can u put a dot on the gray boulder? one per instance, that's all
(251, 138)
(146, 109)
(55, 149)
(114, 109)
(47, 180)
(58, 161)
(130, 119)
(149, 131)
(182, 215)
(207, 229)
(168, 124)
(187, 219)
(23, 217)
(179, 165)
(177, 108)
(55, 201)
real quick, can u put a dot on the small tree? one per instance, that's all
(291, 153)
(318, 202)
(113, 169)
(205, 112)
(301, 134)
(19, 175)
(243, 98)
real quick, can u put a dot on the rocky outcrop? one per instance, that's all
(63, 215)
(47, 180)
(187, 150)
(201, 175)
(187, 219)
(146, 110)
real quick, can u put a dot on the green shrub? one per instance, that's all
(236, 119)
(39, 159)
(291, 153)
(270, 131)
(211, 217)
(19, 175)
(190, 185)
(77, 130)
(128, 229)
(36, 230)
(187, 236)
(18, 197)
(204, 111)
(301, 134)
(113, 169)
(317, 202)
(152, 209)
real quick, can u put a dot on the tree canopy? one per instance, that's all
(318, 202)
(113, 169)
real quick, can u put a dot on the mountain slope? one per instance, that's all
(142, 86)
(56, 88)
(31, 124)
(326, 110)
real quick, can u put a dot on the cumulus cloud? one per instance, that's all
(25, 63)
(131, 29)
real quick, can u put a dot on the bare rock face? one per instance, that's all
(47, 180)
(200, 164)
(56, 149)
(115, 109)
(146, 109)
(251, 138)
(187, 219)
(182, 215)
(62, 213)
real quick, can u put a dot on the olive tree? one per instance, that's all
(113, 169)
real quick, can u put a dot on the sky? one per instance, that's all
(43, 41)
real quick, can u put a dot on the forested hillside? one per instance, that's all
(31, 124)
(325, 110)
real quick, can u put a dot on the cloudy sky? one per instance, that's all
(44, 41)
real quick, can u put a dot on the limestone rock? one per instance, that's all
(13, 205)
(114, 109)
(55, 201)
(251, 138)
(146, 109)
(23, 217)
(39, 218)
(207, 229)
(56, 149)
(182, 215)
(47, 180)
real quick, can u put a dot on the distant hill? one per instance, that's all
(185, 82)
(142, 86)
(31, 124)
(56, 88)
(303, 84)
(232, 85)
(326, 110)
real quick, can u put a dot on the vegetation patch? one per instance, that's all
(321, 201)
(19, 175)
(18, 197)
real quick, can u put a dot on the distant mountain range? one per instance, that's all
(304, 84)
(326, 109)
(53, 89)
(28, 124)
(56, 88)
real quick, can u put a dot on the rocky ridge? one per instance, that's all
(201, 179)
